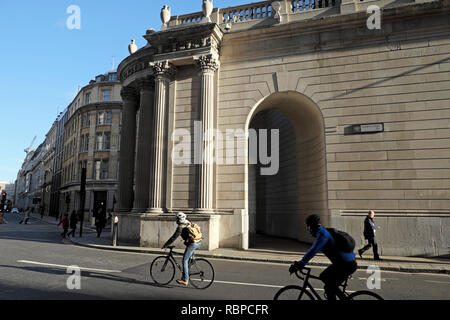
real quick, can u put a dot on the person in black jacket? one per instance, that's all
(369, 233)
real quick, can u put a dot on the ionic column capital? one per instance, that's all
(207, 63)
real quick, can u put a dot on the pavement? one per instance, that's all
(269, 249)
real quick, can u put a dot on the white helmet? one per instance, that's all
(181, 215)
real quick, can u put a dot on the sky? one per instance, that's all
(43, 62)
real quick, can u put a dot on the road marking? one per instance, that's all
(445, 282)
(263, 285)
(65, 267)
(248, 284)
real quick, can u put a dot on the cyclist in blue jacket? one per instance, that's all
(343, 264)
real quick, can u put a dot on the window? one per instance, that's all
(104, 117)
(85, 120)
(87, 98)
(101, 169)
(112, 77)
(106, 95)
(103, 141)
(84, 143)
(81, 165)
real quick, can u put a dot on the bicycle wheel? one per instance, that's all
(364, 295)
(293, 293)
(201, 273)
(162, 270)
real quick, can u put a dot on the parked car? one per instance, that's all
(15, 210)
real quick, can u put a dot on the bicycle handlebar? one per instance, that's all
(298, 273)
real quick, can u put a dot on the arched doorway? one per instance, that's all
(279, 203)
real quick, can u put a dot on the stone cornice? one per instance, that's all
(176, 46)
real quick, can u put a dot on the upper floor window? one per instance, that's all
(103, 141)
(84, 143)
(112, 77)
(106, 95)
(87, 98)
(100, 171)
(104, 117)
(85, 120)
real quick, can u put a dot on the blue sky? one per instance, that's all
(42, 62)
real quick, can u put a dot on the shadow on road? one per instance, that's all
(89, 274)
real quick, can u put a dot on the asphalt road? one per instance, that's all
(34, 262)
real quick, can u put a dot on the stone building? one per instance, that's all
(91, 141)
(48, 160)
(30, 179)
(353, 117)
(57, 204)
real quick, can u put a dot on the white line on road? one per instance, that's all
(437, 281)
(262, 285)
(65, 267)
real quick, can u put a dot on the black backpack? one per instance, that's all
(344, 241)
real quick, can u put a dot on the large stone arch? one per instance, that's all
(278, 205)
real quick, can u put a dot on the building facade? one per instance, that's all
(30, 180)
(358, 116)
(91, 141)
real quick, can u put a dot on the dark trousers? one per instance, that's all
(372, 244)
(72, 232)
(334, 276)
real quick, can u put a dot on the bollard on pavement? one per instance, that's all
(115, 231)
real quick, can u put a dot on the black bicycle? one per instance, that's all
(307, 292)
(201, 271)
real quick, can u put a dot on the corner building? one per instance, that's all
(362, 116)
(91, 140)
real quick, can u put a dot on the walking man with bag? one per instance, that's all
(369, 233)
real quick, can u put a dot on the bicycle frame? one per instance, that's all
(170, 256)
(307, 285)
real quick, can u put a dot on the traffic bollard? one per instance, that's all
(115, 231)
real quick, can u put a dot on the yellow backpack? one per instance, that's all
(195, 234)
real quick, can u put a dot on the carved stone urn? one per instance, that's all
(132, 47)
(207, 7)
(165, 16)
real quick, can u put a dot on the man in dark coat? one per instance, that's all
(369, 233)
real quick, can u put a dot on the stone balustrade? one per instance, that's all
(283, 11)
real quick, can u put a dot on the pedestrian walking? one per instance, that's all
(73, 223)
(100, 221)
(369, 233)
(26, 216)
(65, 224)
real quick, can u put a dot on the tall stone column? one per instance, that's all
(208, 66)
(144, 147)
(163, 71)
(127, 149)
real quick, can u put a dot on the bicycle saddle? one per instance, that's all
(170, 247)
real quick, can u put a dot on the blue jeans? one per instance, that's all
(187, 254)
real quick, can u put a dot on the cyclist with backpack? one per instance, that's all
(337, 248)
(192, 236)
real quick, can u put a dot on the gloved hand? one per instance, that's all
(296, 266)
